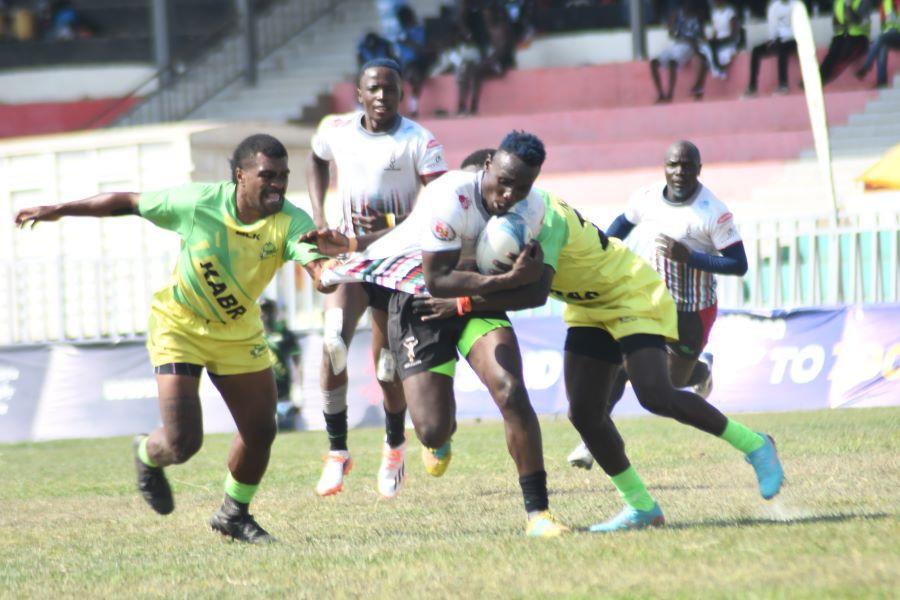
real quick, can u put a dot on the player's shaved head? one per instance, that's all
(682, 171)
(685, 149)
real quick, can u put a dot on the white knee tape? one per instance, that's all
(385, 368)
(332, 340)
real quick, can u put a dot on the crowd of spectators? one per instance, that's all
(26, 20)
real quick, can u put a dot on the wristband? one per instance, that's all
(463, 305)
(391, 219)
(352, 244)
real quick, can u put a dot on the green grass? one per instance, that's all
(71, 523)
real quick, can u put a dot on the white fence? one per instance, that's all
(91, 280)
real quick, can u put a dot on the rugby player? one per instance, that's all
(382, 160)
(235, 236)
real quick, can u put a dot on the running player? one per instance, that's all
(382, 159)
(695, 238)
(235, 235)
(434, 252)
(616, 306)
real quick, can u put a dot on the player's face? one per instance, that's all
(380, 90)
(263, 183)
(682, 170)
(507, 180)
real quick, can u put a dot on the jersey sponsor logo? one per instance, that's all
(392, 163)
(726, 217)
(575, 296)
(463, 201)
(443, 231)
(410, 344)
(252, 236)
(433, 143)
(268, 250)
(220, 292)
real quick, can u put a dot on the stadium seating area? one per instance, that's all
(603, 116)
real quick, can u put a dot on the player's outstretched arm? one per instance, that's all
(111, 204)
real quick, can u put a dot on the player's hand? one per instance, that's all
(529, 264)
(34, 214)
(316, 270)
(432, 309)
(374, 221)
(329, 242)
(672, 248)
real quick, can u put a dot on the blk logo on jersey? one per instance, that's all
(443, 231)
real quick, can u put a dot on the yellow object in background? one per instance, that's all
(885, 174)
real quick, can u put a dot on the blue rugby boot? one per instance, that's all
(768, 469)
(632, 518)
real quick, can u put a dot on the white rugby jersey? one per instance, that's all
(380, 171)
(703, 224)
(449, 216)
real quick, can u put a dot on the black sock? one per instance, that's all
(395, 427)
(534, 491)
(336, 426)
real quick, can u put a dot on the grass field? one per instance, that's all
(71, 523)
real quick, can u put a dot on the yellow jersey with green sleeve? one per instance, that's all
(224, 265)
(602, 282)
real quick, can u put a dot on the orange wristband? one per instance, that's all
(463, 305)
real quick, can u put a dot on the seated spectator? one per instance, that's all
(500, 55)
(412, 54)
(726, 34)
(371, 47)
(889, 38)
(851, 37)
(781, 43)
(462, 58)
(686, 33)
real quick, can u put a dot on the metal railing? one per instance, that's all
(802, 261)
(177, 90)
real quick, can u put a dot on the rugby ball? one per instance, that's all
(503, 234)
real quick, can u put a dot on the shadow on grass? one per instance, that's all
(753, 521)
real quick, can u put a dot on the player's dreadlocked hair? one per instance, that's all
(257, 143)
(526, 146)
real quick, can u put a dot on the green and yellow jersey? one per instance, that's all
(224, 264)
(602, 282)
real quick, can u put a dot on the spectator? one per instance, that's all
(889, 38)
(851, 37)
(470, 16)
(686, 33)
(726, 33)
(462, 58)
(781, 43)
(500, 55)
(412, 54)
(286, 350)
(371, 47)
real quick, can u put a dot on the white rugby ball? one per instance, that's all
(501, 235)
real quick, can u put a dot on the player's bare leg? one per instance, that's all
(251, 399)
(179, 437)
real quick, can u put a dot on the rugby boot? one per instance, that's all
(767, 465)
(544, 525)
(436, 460)
(152, 483)
(632, 518)
(232, 520)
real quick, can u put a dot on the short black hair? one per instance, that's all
(387, 63)
(526, 146)
(477, 158)
(255, 144)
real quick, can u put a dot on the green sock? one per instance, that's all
(741, 437)
(632, 489)
(242, 492)
(142, 453)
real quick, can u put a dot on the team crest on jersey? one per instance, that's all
(726, 217)
(258, 350)
(268, 250)
(443, 231)
(463, 201)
